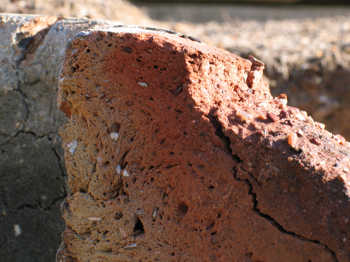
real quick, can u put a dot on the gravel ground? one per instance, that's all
(226, 13)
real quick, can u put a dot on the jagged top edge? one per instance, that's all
(134, 29)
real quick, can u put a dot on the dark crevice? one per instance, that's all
(24, 97)
(219, 131)
(122, 161)
(33, 134)
(59, 161)
(38, 206)
(29, 206)
(273, 222)
(29, 45)
(138, 228)
(54, 202)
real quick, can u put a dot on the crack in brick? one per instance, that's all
(227, 142)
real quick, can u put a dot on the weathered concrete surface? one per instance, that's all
(31, 164)
(176, 151)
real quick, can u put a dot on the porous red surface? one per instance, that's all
(176, 151)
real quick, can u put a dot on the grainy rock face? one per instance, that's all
(305, 50)
(176, 151)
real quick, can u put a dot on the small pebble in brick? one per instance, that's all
(72, 146)
(132, 245)
(94, 218)
(143, 84)
(118, 169)
(292, 140)
(125, 173)
(17, 229)
(114, 136)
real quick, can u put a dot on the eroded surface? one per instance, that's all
(176, 155)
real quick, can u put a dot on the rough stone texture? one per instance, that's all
(176, 151)
(31, 159)
(306, 52)
(305, 48)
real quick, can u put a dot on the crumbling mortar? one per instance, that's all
(227, 142)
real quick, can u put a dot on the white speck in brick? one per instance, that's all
(125, 173)
(300, 116)
(322, 163)
(284, 101)
(344, 239)
(140, 211)
(43, 197)
(122, 232)
(320, 125)
(17, 230)
(143, 84)
(292, 140)
(155, 213)
(118, 169)
(300, 133)
(94, 218)
(132, 245)
(114, 136)
(83, 34)
(72, 146)
(245, 76)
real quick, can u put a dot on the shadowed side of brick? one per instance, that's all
(176, 151)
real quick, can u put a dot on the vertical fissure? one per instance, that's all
(219, 131)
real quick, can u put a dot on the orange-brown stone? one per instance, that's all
(176, 151)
